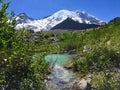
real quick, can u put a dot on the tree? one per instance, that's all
(18, 69)
(7, 25)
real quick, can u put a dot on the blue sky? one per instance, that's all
(103, 9)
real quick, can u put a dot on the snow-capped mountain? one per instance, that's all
(23, 18)
(49, 22)
(70, 24)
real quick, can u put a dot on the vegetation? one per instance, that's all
(22, 64)
(19, 70)
(97, 51)
(102, 81)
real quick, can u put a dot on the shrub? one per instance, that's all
(99, 59)
(101, 81)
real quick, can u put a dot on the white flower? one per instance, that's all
(5, 60)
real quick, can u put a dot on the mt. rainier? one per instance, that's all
(50, 22)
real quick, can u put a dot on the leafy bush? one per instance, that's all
(99, 59)
(6, 28)
(101, 81)
(18, 69)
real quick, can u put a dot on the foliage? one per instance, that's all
(99, 59)
(69, 41)
(97, 51)
(6, 27)
(103, 81)
(18, 69)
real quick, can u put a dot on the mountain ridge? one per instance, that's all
(51, 21)
(70, 24)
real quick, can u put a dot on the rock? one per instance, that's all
(81, 85)
(86, 48)
(72, 51)
(68, 65)
(109, 42)
(89, 80)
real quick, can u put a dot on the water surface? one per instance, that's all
(60, 77)
(58, 59)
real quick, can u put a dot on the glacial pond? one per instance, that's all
(60, 77)
(58, 59)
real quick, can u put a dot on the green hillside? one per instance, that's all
(98, 54)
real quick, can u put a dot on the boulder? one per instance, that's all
(81, 85)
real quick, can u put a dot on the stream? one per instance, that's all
(60, 77)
